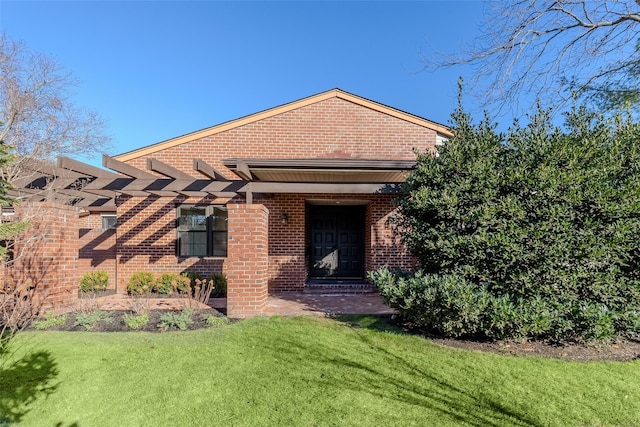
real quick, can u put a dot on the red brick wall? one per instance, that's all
(97, 248)
(334, 128)
(146, 238)
(46, 254)
(247, 265)
(288, 258)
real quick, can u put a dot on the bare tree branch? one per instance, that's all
(529, 50)
(38, 119)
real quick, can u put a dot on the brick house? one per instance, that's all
(281, 200)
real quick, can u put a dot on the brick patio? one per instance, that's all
(280, 304)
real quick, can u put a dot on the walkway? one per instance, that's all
(298, 303)
(281, 304)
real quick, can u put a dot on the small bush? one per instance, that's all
(87, 302)
(139, 304)
(90, 320)
(141, 283)
(50, 320)
(94, 281)
(136, 322)
(219, 281)
(194, 277)
(166, 283)
(183, 284)
(217, 320)
(179, 320)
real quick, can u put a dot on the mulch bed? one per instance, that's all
(621, 350)
(116, 322)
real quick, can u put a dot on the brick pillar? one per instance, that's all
(46, 255)
(247, 265)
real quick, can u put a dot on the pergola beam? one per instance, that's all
(85, 169)
(243, 171)
(80, 194)
(109, 184)
(102, 193)
(207, 170)
(156, 165)
(103, 202)
(125, 169)
(59, 183)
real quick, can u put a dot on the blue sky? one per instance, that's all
(159, 69)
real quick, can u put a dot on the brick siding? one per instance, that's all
(47, 255)
(146, 239)
(97, 248)
(247, 266)
(333, 128)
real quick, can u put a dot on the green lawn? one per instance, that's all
(304, 372)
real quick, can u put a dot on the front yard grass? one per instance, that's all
(300, 371)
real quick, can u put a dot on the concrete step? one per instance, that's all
(338, 288)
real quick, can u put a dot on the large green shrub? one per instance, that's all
(94, 281)
(536, 228)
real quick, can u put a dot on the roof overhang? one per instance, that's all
(352, 171)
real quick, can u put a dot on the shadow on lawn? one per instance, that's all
(398, 378)
(23, 382)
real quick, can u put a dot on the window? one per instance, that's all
(202, 231)
(109, 221)
(7, 213)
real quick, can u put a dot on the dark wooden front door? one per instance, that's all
(337, 241)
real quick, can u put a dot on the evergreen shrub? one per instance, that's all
(141, 283)
(531, 233)
(94, 281)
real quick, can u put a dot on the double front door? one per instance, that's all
(337, 241)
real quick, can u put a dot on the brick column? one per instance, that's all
(247, 265)
(46, 255)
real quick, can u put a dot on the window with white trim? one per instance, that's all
(202, 231)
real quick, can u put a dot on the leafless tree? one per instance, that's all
(550, 50)
(38, 118)
(38, 122)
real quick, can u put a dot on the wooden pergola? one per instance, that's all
(94, 189)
